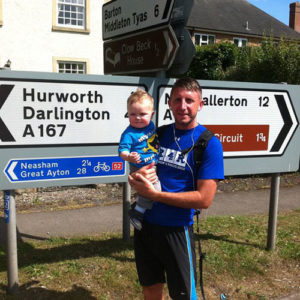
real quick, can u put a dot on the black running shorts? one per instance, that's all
(170, 251)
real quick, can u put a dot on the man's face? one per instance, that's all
(185, 105)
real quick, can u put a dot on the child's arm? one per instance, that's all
(132, 157)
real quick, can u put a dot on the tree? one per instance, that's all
(270, 62)
(211, 61)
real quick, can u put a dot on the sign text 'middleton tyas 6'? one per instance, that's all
(247, 122)
(122, 17)
(152, 50)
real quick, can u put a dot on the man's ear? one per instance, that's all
(152, 114)
(200, 105)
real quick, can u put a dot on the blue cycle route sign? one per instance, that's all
(40, 169)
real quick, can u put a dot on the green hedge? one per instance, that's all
(270, 62)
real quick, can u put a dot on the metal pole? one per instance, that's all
(11, 237)
(126, 207)
(273, 211)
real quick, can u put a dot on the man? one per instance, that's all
(165, 246)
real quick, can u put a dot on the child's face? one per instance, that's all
(140, 114)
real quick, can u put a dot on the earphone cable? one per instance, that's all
(186, 155)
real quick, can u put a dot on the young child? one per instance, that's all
(138, 146)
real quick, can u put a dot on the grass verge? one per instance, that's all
(102, 267)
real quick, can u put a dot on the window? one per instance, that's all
(240, 42)
(68, 65)
(71, 15)
(71, 67)
(204, 39)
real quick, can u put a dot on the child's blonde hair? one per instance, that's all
(138, 97)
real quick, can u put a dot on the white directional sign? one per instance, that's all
(51, 113)
(64, 129)
(247, 122)
(121, 16)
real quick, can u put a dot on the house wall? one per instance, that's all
(252, 41)
(294, 20)
(225, 37)
(28, 40)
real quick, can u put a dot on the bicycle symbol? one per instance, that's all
(101, 166)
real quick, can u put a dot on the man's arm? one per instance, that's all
(201, 198)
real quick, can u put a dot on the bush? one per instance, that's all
(211, 61)
(270, 62)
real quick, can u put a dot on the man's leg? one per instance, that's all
(153, 292)
(148, 248)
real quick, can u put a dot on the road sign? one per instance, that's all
(121, 17)
(180, 14)
(185, 53)
(181, 11)
(60, 113)
(149, 51)
(247, 122)
(257, 123)
(46, 169)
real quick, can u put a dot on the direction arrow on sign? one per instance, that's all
(180, 14)
(149, 51)
(5, 134)
(247, 122)
(185, 52)
(45, 169)
(121, 17)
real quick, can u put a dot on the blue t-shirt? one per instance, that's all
(142, 141)
(177, 173)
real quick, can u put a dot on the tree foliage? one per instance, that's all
(270, 62)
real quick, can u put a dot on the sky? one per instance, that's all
(278, 9)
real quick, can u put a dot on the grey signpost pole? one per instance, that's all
(11, 238)
(126, 207)
(273, 211)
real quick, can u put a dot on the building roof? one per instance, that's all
(236, 17)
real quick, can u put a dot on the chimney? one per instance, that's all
(295, 16)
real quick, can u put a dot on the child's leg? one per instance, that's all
(136, 213)
(143, 203)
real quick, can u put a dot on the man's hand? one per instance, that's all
(148, 171)
(142, 185)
